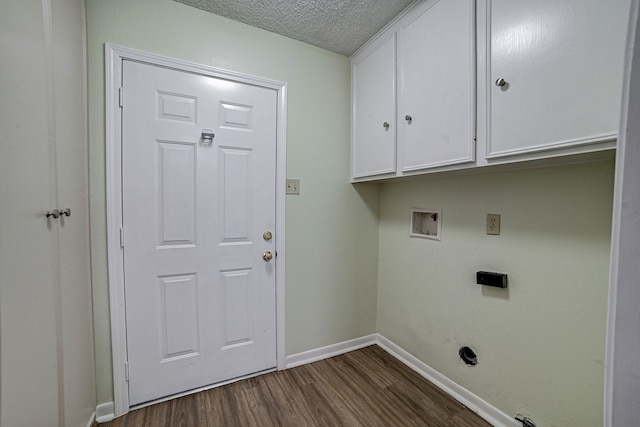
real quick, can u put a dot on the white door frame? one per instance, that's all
(114, 55)
(621, 366)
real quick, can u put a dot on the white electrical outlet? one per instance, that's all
(293, 186)
(493, 224)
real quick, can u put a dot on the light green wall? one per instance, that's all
(540, 343)
(331, 228)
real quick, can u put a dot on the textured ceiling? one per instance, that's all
(341, 26)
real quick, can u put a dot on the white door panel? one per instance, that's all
(561, 63)
(200, 300)
(437, 80)
(374, 110)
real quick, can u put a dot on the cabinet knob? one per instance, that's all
(385, 125)
(408, 118)
(57, 213)
(501, 82)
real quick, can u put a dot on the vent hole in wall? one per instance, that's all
(468, 356)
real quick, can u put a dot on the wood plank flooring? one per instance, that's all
(367, 387)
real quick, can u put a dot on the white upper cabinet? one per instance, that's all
(549, 84)
(374, 110)
(436, 66)
(553, 74)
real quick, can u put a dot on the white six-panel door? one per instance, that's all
(200, 297)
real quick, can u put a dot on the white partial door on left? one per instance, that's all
(198, 171)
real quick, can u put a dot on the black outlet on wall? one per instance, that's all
(488, 278)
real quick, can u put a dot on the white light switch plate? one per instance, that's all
(293, 186)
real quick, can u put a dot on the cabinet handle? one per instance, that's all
(385, 125)
(57, 213)
(501, 82)
(408, 118)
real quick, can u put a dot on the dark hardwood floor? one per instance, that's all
(367, 387)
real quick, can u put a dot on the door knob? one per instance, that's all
(408, 118)
(501, 82)
(267, 255)
(267, 235)
(385, 125)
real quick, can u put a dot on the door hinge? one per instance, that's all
(122, 237)
(120, 96)
(126, 371)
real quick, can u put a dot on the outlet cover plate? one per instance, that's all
(493, 224)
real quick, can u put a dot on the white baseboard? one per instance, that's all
(485, 410)
(105, 412)
(329, 351)
(91, 420)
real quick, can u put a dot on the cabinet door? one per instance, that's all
(46, 326)
(561, 64)
(374, 130)
(437, 85)
(29, 381)
(76, 312)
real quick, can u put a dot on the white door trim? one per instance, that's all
(620, 406)
(114, 55)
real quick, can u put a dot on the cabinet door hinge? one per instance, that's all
(120, 96)
(122, 237)
(126, 371)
